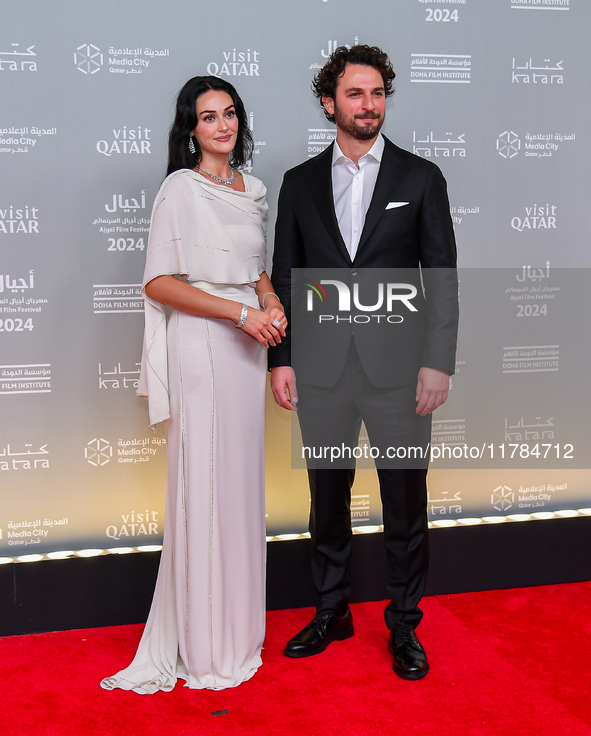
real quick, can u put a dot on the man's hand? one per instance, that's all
(432, 389)
(283, 385)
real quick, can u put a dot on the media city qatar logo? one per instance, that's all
(508, 144)
(502, 498)
(394, 292)
(98, 452)
(537, 145)
(18, 140)
(88, 58)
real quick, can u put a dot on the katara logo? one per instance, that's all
(502, 498)
(98, 452)
(88, 58)
(508, 144)
(393, 293)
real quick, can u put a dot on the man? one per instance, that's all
(366, 204)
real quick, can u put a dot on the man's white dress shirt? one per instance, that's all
(352, 190)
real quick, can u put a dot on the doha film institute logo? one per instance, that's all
(502, 498)
(508, 144)
(98, 452)
(88, 58)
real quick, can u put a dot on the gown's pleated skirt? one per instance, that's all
(207, 620)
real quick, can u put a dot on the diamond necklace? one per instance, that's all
(227, 182)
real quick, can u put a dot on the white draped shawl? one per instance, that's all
(203, 232)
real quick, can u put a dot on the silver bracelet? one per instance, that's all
(243, 316)
(269, 293)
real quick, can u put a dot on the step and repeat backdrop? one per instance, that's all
(496, 93)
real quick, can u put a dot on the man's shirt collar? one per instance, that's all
(375, 151)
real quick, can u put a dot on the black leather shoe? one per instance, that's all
(325, 627)
(410, 659)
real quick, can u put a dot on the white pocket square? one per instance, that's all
(392, 205)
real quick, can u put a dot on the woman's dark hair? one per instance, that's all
(185, 120)
(325, 82)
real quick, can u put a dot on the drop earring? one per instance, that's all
(192, 148)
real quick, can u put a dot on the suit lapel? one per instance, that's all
(392, 173)
(321, 185)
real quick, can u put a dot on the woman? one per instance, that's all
(206, 379)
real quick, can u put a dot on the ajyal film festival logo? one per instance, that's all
(98, 452)
(88, 58)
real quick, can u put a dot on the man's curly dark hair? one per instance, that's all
(325, 82)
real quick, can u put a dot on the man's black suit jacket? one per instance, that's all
(407, 236)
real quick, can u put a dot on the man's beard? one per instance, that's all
(360, 131)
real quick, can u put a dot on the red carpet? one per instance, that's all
(502, 663)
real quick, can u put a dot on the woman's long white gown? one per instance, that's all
(207, 380)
